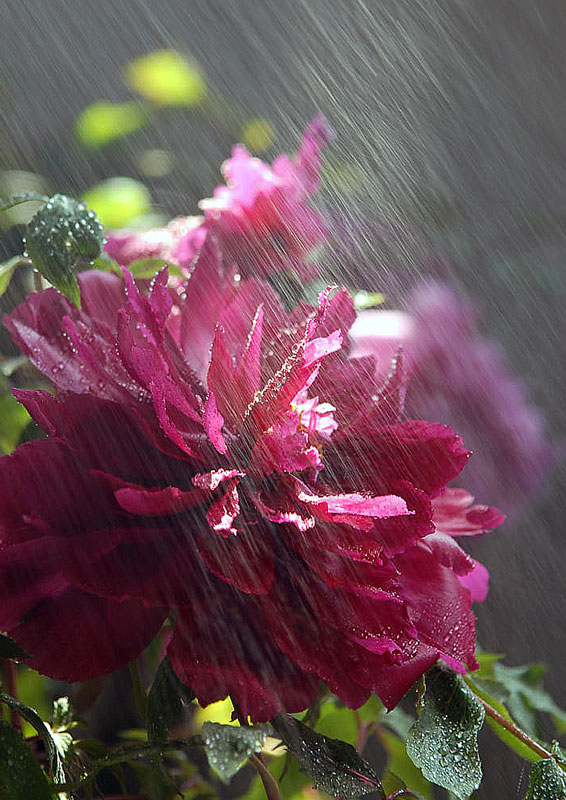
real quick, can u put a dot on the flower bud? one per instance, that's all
(62, 239)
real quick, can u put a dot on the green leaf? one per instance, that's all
(148, 267)
(11, 649)
(165, 701)
(13, 419)
(546, 781)
(20, 774)
(521, 690)
(7, 270)
(393, 783)
(229, 747)
(62, 239)
(104, 122)
(399, 763)
(55, 744)
(338, 722)
(443, 742)
(118, 201)
(167, 78)
(334, 766)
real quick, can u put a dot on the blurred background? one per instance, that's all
(448, 160)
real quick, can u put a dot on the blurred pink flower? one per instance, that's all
(460, 378)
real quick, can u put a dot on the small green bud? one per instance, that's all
(62, 239)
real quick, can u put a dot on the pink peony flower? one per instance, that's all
(460, 378)
(293, 538)
(261, 218)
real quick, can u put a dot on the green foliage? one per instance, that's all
(546, 781)
(338, 723)
(56, 744)
(118, 201)
(104, 122)
(334, 765)
(228, 747)
(148, 267)
(520, 689)
(399, 763)
(20, 774)
(166, 78)
(165, 701)
(13, 419)
(443, 741)
(62, 239)
(7, 270)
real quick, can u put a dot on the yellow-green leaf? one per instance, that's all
(166, 78)
(118, 201)
(104, 122)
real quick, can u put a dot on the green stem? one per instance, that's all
(18, 199)
(515, 730)
(140, 697)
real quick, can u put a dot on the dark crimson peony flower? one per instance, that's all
(261, 218)
(268, 496)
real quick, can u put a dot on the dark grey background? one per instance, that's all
(457, 105)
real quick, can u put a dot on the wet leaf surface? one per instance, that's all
(443, 742)
(546, 781)
(229, 747)
(334, 766)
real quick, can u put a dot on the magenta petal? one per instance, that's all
(455, 515)
(213, 422)
(223, 511)
(75, 636)
(357, 504)
(440, 607)
(445, 549)
(212, 480)
(158, 502)
(102, 294)
(206, 295)
(244, 559)
(477, 581)
(261, 680)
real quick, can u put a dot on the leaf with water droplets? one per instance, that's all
(20, 773)
(165, 701)
(443, 742)
(62, 239)
(229, 747)
(334, 766)
(546, 781)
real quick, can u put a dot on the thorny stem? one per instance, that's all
(515, 730)
(269, 783)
